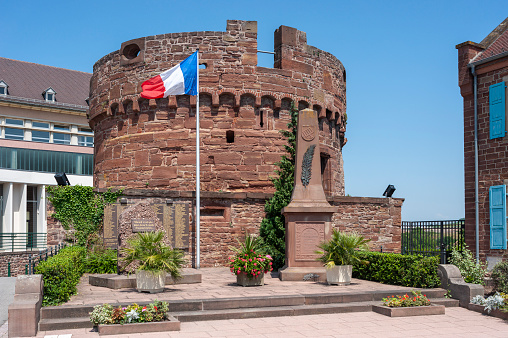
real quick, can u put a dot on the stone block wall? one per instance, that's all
(150, 144)
(18, 262)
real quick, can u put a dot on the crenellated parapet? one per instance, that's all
(143, 143)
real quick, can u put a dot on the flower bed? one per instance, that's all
(495, 305)
(405, 306)
(133, 318)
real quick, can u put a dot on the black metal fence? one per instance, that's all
(433, 238)
(22, 241)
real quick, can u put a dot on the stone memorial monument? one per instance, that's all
(308, 215)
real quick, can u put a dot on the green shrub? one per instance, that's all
(395, 269)
(472, 272)
(61, 274)
(101, 261)
(500, 276)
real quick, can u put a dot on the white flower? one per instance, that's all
(132, 315)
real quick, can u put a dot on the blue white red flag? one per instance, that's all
(179, 80)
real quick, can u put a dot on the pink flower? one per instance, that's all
(268, 256)
(250, 259)
(255, 264)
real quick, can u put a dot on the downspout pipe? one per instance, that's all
(476, 198)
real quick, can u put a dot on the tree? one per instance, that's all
(273, 230)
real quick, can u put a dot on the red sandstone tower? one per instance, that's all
(148, 146)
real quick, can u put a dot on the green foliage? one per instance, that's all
(472, 272)
(500, 276)
(61, 274)
(134, 313)
(428, 240)
(273, 228)
(101, 261)
(342, 249)
(395, 269)
(149, 250)
(81, 208)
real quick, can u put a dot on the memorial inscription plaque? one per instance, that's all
(308, 236)
(110, 226)
(142, 225)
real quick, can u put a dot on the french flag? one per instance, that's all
(179, 80)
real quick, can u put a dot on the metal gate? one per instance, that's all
(433, 238)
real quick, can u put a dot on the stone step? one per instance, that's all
(220, 309)
(54, 324)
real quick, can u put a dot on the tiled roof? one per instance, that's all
(30, 80)
(500, 45)
(495, 43)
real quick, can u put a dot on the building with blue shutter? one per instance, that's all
(483, 80)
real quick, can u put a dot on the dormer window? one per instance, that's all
(49, 95)
(3, 87)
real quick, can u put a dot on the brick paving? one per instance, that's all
(219, 283)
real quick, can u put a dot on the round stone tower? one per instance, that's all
(148, 147)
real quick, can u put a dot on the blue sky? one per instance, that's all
(404, 106)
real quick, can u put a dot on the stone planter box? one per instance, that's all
(339, 275)
(172, 324)
(148, 281)
(433, 309)
(243, 280)
(494, 313)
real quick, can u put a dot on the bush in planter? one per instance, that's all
(416, 299)
(61, 274)
(396, 269)
(342, 249)
(469, 269)
(149, 251)
(134, 313)
(500, 276)
(250, 258)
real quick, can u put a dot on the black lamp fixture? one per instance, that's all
(62, 179)
(389, 191)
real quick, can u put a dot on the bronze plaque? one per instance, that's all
(308, 237)
(110, 233)
(142, 225)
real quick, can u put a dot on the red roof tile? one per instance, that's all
(500, 45)
(30, 80)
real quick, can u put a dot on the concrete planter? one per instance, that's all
(409, 311)
(339, 275)
(172, 324)
(494, 313)
(148, 281)
(243, 280)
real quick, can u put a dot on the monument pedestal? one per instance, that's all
(306, 227)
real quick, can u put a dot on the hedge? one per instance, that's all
(395, 269)
(61, 274)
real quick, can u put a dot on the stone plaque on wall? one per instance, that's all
(308, 237)
(110, 233)
(142, 225)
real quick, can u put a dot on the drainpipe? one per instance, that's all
(476, 199)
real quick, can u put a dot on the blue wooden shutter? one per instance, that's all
(497, 110)
(498, 217)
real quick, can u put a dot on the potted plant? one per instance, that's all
(154, 258)
(339, 254)
(250, 262)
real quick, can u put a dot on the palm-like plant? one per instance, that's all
(250, 244)
(149, 250)
(342, 249)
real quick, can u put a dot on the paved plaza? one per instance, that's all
(220, 283)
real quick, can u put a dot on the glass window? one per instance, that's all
(60, 127)
(3, 90)
(85, 141)
(49, 97)
(14, 134)
(85, 130)
(40, 136)
(61, 138)
(40, 125)
(14, 122)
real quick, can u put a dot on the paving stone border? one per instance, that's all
(172, 324)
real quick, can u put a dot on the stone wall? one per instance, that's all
(226, 216)
(492, 154)
(143, 143)
(18, 262)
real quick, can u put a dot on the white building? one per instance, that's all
(43, 131)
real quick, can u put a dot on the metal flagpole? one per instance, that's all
(198, 180)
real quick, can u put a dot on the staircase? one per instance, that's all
(191, 310)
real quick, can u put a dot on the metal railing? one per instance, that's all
(43, 255)
(22, 241)
(433, 238)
